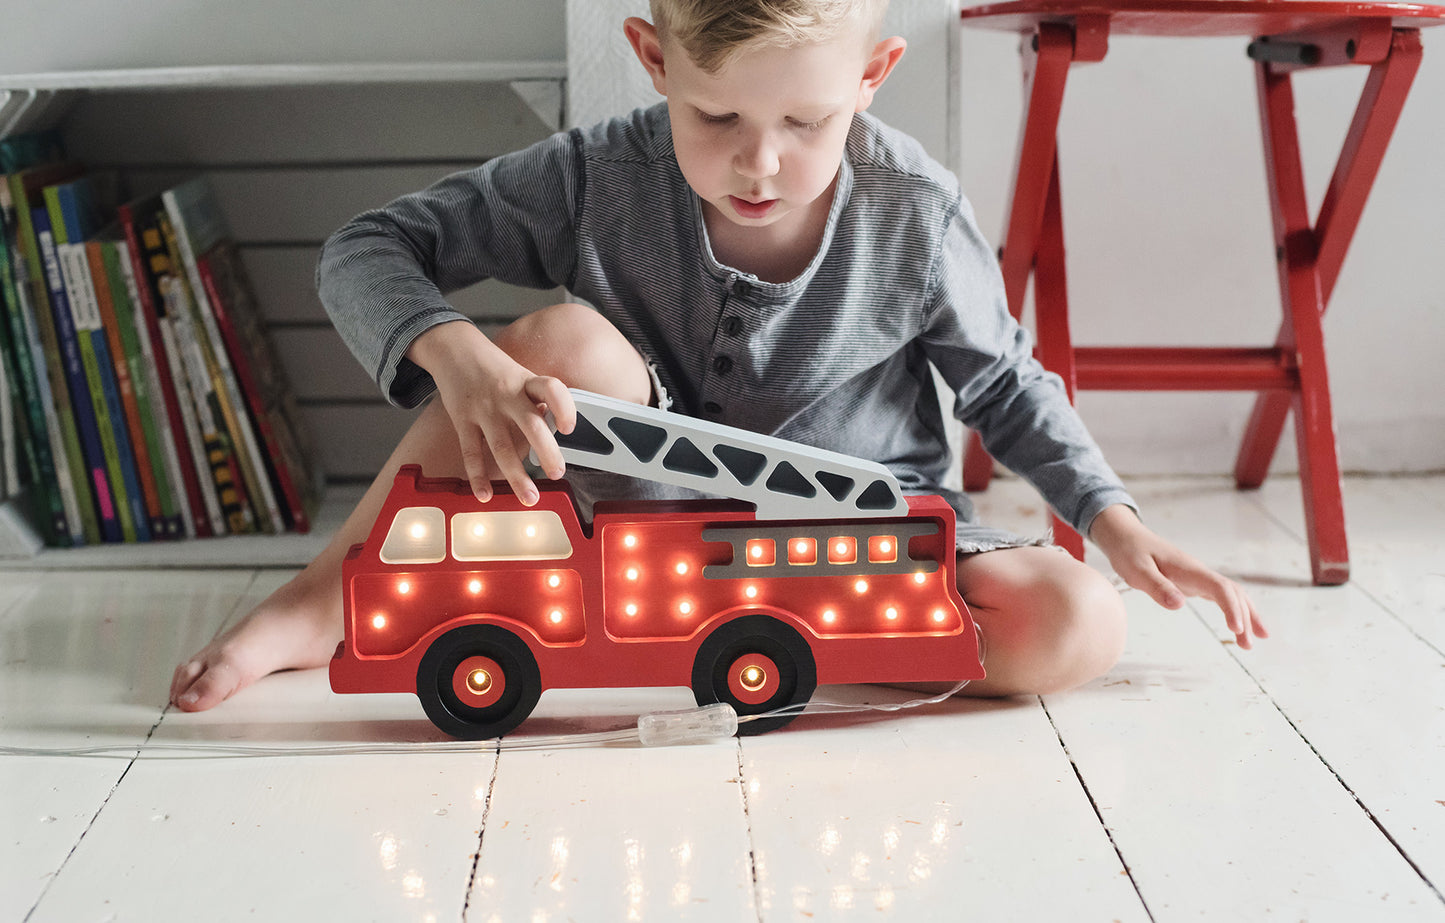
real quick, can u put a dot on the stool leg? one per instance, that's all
(1046, 69)
(1381, 100)
(1051, 316)
(1302, 332)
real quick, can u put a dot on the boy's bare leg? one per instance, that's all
(299, 625)
(1049, 622)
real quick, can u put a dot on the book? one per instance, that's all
(25, 192)
(269, 398)
(150, 263)
(150, 431)
(76, 380)
(198, 225)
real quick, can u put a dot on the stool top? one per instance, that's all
(1199, 17)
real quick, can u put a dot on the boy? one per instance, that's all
(761, 253)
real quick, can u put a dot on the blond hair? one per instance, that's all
(713, 31)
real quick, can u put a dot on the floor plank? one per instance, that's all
(86, 662)
(955, 811)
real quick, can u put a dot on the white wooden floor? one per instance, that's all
(1304, 780)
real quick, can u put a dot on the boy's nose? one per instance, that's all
(757, 158)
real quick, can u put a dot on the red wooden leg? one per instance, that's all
(1381, 100)
(1302, 332)
(1046, 69)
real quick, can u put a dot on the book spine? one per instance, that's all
(100, 379)
(29, 372)
(156, 430)
(85, 527)
(129, 424)
(215, 448)
(248, 454)
(141, 243)
(75, 373)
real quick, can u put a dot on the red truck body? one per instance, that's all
(478, 608)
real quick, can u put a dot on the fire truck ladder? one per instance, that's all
(784, 480)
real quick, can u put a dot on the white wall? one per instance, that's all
(1167, 226)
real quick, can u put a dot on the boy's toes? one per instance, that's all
(211, 685)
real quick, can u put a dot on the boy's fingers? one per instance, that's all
(541, 440)
(504, 452)
(1159, 587)
(474, 460)
(552, 392)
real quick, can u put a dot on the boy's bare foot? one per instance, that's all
(296, 627)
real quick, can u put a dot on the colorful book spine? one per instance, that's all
(75, 373)
(129, 424)
(155, 427)
(196, 223)
(149, 264)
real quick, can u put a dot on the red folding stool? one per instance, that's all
(1286, 36)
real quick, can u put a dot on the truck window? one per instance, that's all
(417, 536)
(522, 535)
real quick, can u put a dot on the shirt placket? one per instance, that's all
(719, 387)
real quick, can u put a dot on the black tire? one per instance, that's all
(733, 642)
(521, 682)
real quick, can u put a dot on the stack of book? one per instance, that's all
(140, 396)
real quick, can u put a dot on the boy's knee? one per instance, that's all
(576, 344)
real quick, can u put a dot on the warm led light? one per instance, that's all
(755, 550)
(830, 616)
(475, 587)
(418, 530)
(750, 591)
(554, 581)
(891, 612)
(760, 552)
(800, 546)
(629, 541)
(631, 573)
(403, 587)
(939, 615)
(753, 678)
(378, 621)
(885, 546)
(681, 567)
(630, 608)
(861, 586)
(479, 530)
(530, 531)
(684, 607)
(556, 616)
(920, 577)
(840, 547)
(479, 681)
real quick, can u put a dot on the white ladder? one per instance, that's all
(784, 480)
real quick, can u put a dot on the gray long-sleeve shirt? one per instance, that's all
(837, 358)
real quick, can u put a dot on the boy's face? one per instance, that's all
(762, 139)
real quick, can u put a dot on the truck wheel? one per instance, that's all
(755, 664)
(478, 681)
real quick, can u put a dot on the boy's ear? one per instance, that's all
(880, 64)
(647, 45)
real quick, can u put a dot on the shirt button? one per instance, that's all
(732, 326)
(722, 365)
(741, 288)
(712, 407)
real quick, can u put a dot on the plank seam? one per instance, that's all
(482, 833)
(748, 824)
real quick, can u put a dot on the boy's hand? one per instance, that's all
(1149, 563)
(497, 407)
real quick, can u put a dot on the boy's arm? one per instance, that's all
(1155, 566)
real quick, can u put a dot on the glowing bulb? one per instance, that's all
(403, 587)
(479, 530)
(631, 573)
(861, 586)
(378, 621)
(554, 581)
(684, 607)
(891, 612)
(629, 541)
(753, 678)
(750, 591)
(418, 531)
(556, 616)
(939, 615)
(840, 548)
(920, 577)
(756, 551)
(530, 531)
(885, 546)
(681, 567)
(800, 547)
(479, 681)
(475, 587)
(830, 616)
(630, 608)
